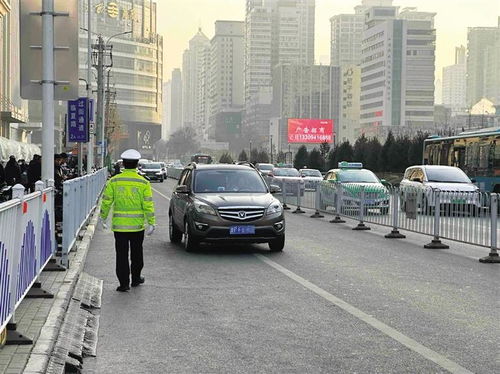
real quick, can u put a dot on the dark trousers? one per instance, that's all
(124, 241)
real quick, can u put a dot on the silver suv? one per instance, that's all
(225, 203)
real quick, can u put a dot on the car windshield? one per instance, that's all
(265, 167)
(152, 166)
(311, 173)
(357, 176)
(286, 172)
(447, 175)
(235, 181)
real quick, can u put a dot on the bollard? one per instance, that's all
(493, 257)
(361, 225)
(395, 234)
(317, 204)
(298, 210)
(338, 205)
(285, 207)
(436, 242)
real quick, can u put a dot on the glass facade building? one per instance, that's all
(136, 75)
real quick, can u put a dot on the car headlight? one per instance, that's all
(274, 208)
(204, 209)
(159, 173)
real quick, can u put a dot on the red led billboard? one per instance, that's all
(310, 130)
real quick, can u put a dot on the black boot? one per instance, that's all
(138, 281)
(123, 288)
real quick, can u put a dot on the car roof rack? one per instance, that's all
(246, 163)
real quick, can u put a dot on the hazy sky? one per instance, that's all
(178, 21)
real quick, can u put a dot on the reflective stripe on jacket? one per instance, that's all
(131, 197)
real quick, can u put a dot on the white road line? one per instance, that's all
(408, 342)
(159, 193)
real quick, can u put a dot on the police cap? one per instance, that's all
(131, 154)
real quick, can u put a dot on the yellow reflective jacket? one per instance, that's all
(131, 197)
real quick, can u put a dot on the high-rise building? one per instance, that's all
(195, 69)
(455, 83)
(13, 110)
(276, 31)
(349, 107)
(166, 121)
(303, 91)
(483, 78)
(397, 71)
(226, 88)
(137, 71)
(176, 101)
(347, 34)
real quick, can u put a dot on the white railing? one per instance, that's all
(27, 242)
(80, 197)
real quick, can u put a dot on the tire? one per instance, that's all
(277, 245)
(191, 244)
(174, 233)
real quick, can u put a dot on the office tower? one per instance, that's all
(166, 121)
(397, 71)
(194, 85)
(483, 65)
(176, 101)
(276, 31)
(455, 83)
(226, 89)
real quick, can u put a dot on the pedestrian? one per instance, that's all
(131, 197)
(2, 174)
(34, 171)
(12, 172)
(58, 174)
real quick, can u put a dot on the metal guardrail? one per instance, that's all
(27, 242)
(80, 197)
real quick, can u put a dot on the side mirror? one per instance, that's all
(473, 180)
(183, 189)
(274, 189)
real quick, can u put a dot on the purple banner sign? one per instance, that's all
(78, 120)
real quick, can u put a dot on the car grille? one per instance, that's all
(241, 214)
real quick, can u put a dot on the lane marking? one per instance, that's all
(408, 342)
(159, 193)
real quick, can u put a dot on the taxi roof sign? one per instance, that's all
(350, 165)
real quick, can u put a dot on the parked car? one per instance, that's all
(152, 171)
(457, 191)
(264, 169)
(311, 177)
(353, 181)
(225, 203)
(289, 176)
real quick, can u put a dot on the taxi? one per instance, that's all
(351, 179)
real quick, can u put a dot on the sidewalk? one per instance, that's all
(40, 319)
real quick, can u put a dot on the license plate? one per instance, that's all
(242, 230)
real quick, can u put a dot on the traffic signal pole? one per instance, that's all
(48, 81)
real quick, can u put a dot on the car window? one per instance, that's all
(357, 176)
(408, 174)
(447, 175)
(418, 174)
(234, 181)
(265, 167)
(286, 172)
(310, 173)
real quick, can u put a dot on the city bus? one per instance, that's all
(201, 159)
(477, 153)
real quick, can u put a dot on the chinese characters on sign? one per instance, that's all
(113, 10)
(310, 130)
(78, 120)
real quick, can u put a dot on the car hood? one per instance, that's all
(220, 200)
(462, 187)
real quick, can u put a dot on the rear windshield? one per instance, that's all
(265, 167)
(311, 173)
(446, 175)
(357, 176)
(235, 181)
(152, 166)
(286, 172)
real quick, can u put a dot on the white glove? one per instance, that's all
(103, 223)
(150, 230)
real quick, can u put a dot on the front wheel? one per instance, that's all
(190, 242)
(174, 233)
(277, 245)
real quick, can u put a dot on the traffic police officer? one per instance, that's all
(131, 197)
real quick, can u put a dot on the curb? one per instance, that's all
(44, 345)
